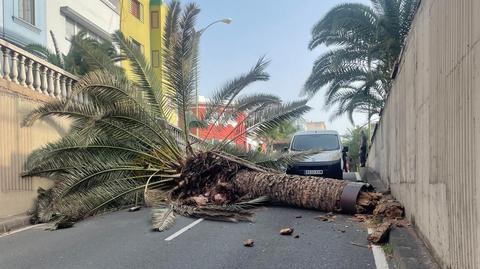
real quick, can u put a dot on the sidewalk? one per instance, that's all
(409, 250)
(406, 248)
(13, 222)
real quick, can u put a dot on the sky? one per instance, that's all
(277, 29)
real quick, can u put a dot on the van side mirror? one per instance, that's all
(285, 150)
(345, 149)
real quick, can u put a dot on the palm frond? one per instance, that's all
(43, 52)
(162, 218)
(144, 76)
(58, 53)
(250, 102)
(225, 96)
(93, 54)
(171, 23)
(350, 23)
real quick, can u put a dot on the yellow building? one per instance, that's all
(142, 21)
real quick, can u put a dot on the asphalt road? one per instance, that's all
(124, 240)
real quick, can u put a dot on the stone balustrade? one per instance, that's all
(26, 69)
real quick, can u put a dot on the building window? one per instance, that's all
(155, 58)
(26, 11)
(70, 28)
(155, 19)
(136, 8)
(73, 28)
(137, 45)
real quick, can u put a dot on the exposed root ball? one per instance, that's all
(210, 176)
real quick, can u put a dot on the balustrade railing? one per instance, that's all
(26, 69)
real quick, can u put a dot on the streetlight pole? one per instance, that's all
(197, 43)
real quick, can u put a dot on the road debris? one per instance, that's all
(64, 224)
(361, 217)
(133, 209)
(367, 201)
(296, 236)
(298, 217)
(330, 217)
(402, 223)
(200, 200)
(389, 208)
(286, 231)
(359, 245)
(249, 243)
(380, 233)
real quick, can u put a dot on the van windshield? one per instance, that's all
(315, 142)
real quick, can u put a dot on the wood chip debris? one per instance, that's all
(389, 208)
(249, 243)
(133, 209)
(402, 223)
(286, 231)
(330, 217)
(200, 200)
(380, 233)
(358, 244)
(360, 217)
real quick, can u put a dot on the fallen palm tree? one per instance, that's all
(121, 146)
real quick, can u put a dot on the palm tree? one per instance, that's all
(352, 139)
(367, 41)
(282, 132)
(120, 143)
(83, 55)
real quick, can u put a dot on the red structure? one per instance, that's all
(217, 132)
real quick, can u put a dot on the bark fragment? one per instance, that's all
(367, 201)
(380, 233)
(330, 217)
(200, 200)
(249, 243)
(361, 217)
(389, 208)
(286, 231)
(133, 209)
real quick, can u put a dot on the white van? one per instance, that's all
(327, 163)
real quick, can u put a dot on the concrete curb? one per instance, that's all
(409, 251)
(14, 222)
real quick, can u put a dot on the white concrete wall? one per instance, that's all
(427, 144)
(99, 12)
(16, 143)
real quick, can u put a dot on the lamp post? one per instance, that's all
(197, 36)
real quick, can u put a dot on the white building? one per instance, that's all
(100, 18)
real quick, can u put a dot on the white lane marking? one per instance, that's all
(357, 175)
(378, 255)
(184, 229)
(21, 230)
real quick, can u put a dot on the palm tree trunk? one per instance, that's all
(300, 191)
(213, 173)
